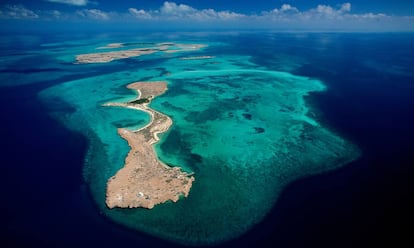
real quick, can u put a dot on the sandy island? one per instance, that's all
(145, 181)
(104, 57)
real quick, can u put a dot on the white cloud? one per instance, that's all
(212, 15)
(56, 13)
(17, 12)
(346, 7)
(371, 16)
(326, 17)
(288, 7)
(325, 9)
(52, 15)
(71, 2)
(328, 12)
(285, 17)
(278, 14)
(171, 8)
(289, 13)
(140, 14)
(94, 14)
(182, 12)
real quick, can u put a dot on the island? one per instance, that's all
(104, 57)
(145, 181)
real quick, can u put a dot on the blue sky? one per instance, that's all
(356, 15)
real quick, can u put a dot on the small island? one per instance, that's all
(145, 181)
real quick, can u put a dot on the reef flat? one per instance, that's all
(245, 129)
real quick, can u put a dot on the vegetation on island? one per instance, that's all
(140, 101)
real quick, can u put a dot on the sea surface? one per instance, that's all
(295, 139)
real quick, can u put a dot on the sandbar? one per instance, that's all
(198, 57)
(185, 48)
(145, 181)
(112, 45)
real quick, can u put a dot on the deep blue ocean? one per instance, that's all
(370, 101)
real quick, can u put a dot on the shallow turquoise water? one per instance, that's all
(244, 130)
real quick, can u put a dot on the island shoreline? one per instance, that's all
(145, 181)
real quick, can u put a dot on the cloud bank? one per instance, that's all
(70, 2)
(181, 12)
(175, 15)
(17, 12)
(94, 14)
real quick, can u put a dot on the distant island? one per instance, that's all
(104, 57)
(145, 181)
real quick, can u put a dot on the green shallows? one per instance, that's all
(243, 130)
